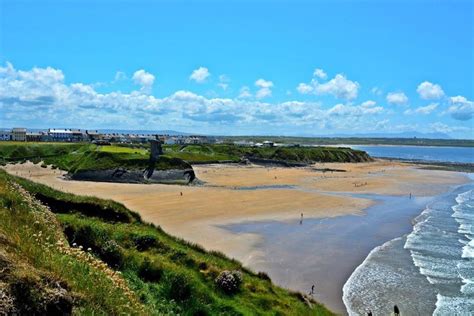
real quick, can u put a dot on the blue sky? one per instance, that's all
(239, 67)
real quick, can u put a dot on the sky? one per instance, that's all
(239, 67)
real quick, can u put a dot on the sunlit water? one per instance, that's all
(426, 153)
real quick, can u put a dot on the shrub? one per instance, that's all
(202, 265)
(229, 281)
(143, 243)
(150, 271)
(112, 254)
(264, 276)
(177, 287)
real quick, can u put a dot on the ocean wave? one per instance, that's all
(453, 305)
(442, 247)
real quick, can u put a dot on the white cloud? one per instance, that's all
(262, 83)
(223, 82)
(340, 87)
(368, 104)
(42, 95)
(376, 91)
(143, 78)
(461, 108)
(245, 92)
(265, 88)
(200, 75)
(120, 75)
(429, 91)
(304, 88)
(398, 98)
(349, 110)
(443, 128)
(318, 72)
(424, 110)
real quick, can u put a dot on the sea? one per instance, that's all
(421, 153)
(429, 271)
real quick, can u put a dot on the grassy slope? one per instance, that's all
(228, 152)
(79, 157)
(163, 275)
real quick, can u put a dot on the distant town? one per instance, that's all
(20, 134)
(78, 135)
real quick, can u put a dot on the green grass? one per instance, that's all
(121, 149)
(230, 152)
(165, 274)
(80, 157)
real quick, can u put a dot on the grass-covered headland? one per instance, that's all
(76, 158)
(61, 253)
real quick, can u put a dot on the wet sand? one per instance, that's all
(325, 252)
(234, 194)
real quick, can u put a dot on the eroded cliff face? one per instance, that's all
(122, 175)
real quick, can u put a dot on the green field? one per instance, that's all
(118, 265)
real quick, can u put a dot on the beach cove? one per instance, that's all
(232, 211)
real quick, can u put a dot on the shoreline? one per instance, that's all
(203, 212)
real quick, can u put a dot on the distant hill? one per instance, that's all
(435, 135)
(146, 132)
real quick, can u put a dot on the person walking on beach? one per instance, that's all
(410, 195)
(312, 289)
(181, 193)
(301, 220)
(396, 311)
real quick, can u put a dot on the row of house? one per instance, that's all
(51, 135)
(77, 135)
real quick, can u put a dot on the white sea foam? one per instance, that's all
(460, 306)
(440, 272)
(443, 250)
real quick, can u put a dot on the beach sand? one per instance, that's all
(235, 194)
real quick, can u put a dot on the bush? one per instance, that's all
(264, 276)
(202, 265)
(177, 287)
(229, 281)
(143, 243)
(150, 271)
(112, 254)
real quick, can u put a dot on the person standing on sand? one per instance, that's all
(396, 311)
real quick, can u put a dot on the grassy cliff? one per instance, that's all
(230, 152)
(81, 157)
(84, 255)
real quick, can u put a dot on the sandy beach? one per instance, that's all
(234, 194)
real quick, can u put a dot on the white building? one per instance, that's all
(19, 134)
(60, 135)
